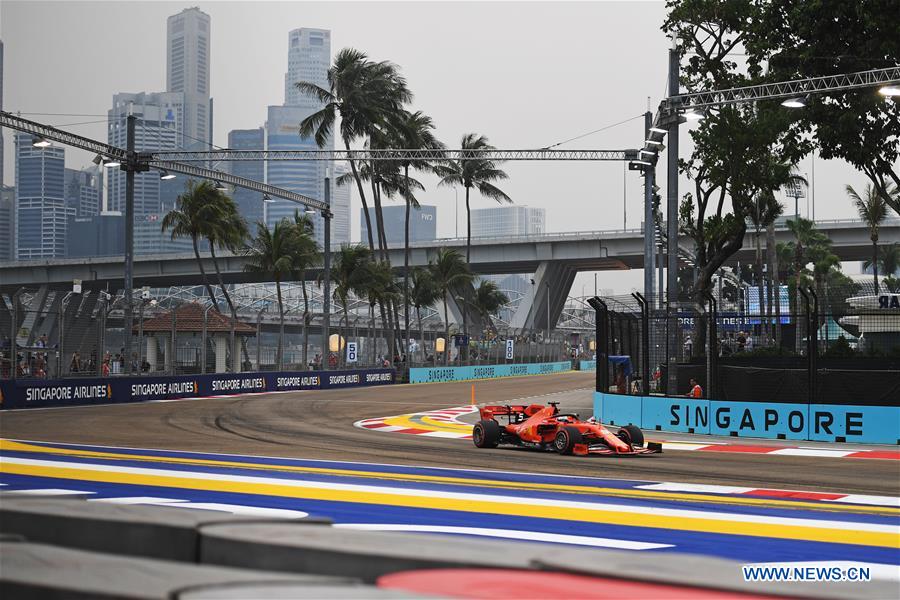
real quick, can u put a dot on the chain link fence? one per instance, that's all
(817, 350)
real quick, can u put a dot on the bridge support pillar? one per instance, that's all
(540, 310)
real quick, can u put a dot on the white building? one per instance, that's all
(507, 220)
(309, 56)
(187, 72)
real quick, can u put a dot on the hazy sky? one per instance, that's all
(525, 74)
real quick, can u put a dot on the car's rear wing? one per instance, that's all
(510, 410)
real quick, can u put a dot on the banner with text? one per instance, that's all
(436, 374)
(28, 393)
(780, 420)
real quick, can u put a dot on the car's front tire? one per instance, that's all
(630, 434)
(486, 434)
(566, 438)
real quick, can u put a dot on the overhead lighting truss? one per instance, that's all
(783, 89)
(394, 154)
(141, 161)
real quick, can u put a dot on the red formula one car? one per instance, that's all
(544, 427)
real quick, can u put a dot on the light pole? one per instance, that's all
(672, 228)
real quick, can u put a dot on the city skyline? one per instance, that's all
(507, 107)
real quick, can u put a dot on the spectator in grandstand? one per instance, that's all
(620, 382)
(75, 365)
(105, 368)
(636, 386)
(696, 390)
(41, 342)
(741, 341)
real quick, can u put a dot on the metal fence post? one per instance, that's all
(13, 345)
(809, 358)
(712, 352)
(203, 341)
(812, 338)
(645, 343)
(172, 345)
(602, 333)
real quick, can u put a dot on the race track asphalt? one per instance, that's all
(319, 425)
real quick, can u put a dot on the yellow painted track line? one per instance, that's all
(486, 506)
(462, 481)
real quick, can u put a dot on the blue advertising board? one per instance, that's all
(440, 374)
(781, 420)
(28, 393)
(587, 365)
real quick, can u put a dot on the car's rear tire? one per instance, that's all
(486, 434)
(566, 438)
(630, 434)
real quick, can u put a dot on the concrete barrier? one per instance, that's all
(154, 531)
(443, 374)
(776, 420)
(30, 571)
(365, 554)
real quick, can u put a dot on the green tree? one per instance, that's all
(488, 299)
(888, 259)
(812, 39)
(365, 95)
(225, 229)
(349, 274)
(378, 287)
(872, 209)
(194, 210)
(474, 172)
(412, 131)
(422, 293)
(449, 272)
(763, 213)
(271, 252)
(305, 256)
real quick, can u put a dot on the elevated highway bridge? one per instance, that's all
(554, 258)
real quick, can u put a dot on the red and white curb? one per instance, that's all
(700, 488)
(445, 423)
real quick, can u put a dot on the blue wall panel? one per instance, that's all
(432, 375)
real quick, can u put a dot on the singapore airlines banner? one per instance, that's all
(32, 393)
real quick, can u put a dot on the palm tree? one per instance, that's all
(365, 94)
(889, 259)
(805, 238)
(378, 287)
(449, 272)
(305, 256)
(762, 214)
(193, 210)
(349, 273)
(272, 252)
(412, 131)
(471, 173)
(872, 209)
(488, 299)
(422, 293)
(227, 230)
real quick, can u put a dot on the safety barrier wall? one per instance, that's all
(792, 421)
(432, 375)
(30, 393)
(587, 365)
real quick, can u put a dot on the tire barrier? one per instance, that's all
(239, 559)
(775, 420)
(444, 374)
(30, 393)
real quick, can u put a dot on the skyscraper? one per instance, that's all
(507, 220)
(250, 203)
(1, 108)
(309, 54)
(187, 72)
(83, 191)
(41, 212)
(157, 128)
(7, 223)
(422, 223)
